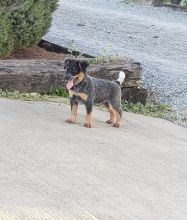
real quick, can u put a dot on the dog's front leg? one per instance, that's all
(74, 107)
(89, 120)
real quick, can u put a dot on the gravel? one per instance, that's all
(156, 37)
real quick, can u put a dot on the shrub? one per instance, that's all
(6, 38)
(184, 3)
(26, 20)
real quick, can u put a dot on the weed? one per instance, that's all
(156, 110)
(103, 59)
(59, 92)
(71, 47)
(22, 96)
(152, 109)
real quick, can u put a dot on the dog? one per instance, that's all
(88, 90)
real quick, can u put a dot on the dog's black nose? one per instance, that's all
(67, 77)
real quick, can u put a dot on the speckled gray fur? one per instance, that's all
(98, 90)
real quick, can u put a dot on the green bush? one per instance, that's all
(6, 38)
(24, 23)
(184, 3)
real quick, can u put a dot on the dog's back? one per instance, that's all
(105, 90)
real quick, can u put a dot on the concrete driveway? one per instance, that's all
(53, 170)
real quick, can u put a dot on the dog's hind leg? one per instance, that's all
(74, 108)
(117, 108)
(112, 119)
(118, 121)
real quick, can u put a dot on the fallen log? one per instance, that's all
(43, 76)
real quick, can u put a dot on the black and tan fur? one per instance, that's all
(89, 90)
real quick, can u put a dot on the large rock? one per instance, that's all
(44, 75)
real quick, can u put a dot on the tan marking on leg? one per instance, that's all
(112, 115)
(118, 121)
(89, 121)
(83, 96)
(73, 117)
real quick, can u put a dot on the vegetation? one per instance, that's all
(156, 110)
(22, 96)
(105, 56)
(184, 3)
(103, 59)
(6, 36)
(23, 23)
(62, 92)
(153, 109)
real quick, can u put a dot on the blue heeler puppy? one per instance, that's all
(88, 90)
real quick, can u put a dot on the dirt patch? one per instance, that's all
(37, 53)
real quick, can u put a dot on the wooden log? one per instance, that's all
(135, 95)
(43, 76)
(31, 75)
(111, 70)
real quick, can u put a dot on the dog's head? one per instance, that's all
(75, 72)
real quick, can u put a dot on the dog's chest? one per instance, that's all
(79, 95)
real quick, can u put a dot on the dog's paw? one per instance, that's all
(116, 125)
(70, 121)
(110, 122)
(88, 125)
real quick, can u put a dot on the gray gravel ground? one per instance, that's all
(157, 37)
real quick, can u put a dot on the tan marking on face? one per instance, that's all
(79, 77)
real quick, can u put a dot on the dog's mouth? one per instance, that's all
(69, 84)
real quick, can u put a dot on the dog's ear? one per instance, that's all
(66, 63)
(83, 65)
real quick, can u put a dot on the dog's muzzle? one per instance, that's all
(69, 77)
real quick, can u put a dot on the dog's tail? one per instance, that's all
(121, 78)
